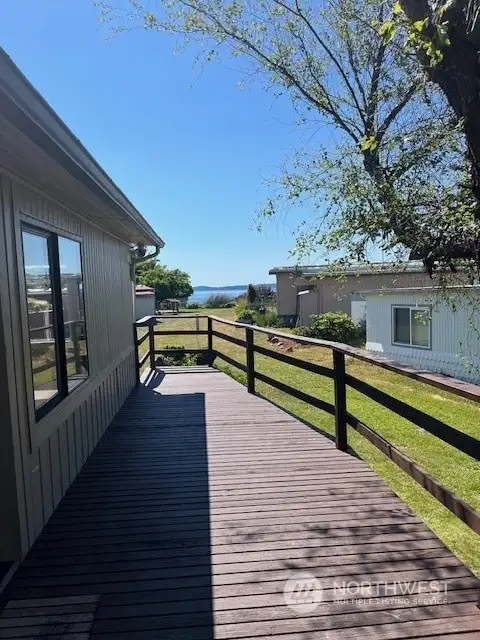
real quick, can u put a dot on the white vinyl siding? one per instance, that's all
(454, 338)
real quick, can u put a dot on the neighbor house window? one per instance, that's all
(411, 326)
(56, 316)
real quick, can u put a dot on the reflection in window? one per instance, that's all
(56, 316)
(73, 311)
(411, 326)
(41, 325)
(401, 323)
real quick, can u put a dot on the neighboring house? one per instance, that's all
(66, 307)
(427, 328)
(307, 290)
(144, 301)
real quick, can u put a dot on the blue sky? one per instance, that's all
(188, 147)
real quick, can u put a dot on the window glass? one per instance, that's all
(73, 311)
(401, 325)
(41, 321)
(420, 328)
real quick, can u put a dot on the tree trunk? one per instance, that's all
(458, 73)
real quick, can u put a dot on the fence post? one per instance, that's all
(151, 343)
(250, 361)
(135, 348)
(210, 335)
(340, 400)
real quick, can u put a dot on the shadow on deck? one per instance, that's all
(196, 507)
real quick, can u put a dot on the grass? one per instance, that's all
(455, 470)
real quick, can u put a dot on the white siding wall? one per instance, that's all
(455, 335)
(51, 453)
(144, 306)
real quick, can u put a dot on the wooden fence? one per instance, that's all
(341, 381)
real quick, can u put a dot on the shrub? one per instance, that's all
(240, 306)
(306, 332)
(193, 305)
(268, 319)
(38, 305)
(177, 359)
(336, 327)
(217, 301)
(229, 305)
(245, 316)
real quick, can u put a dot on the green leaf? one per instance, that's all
(368, 143)
(388, 30)
(419, 24)
(397, 8)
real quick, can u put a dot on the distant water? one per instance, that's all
(201, 296)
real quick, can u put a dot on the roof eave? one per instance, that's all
(20, 98)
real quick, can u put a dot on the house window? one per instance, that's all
(411, 326)
(56, 316)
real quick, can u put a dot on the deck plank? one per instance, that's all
(195, 508)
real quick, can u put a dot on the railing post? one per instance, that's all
(340, 400)
(151, 343)
(135, 347)
(210, 335)
(76, 347)
(250, 361)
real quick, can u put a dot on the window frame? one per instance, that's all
(415, 309)
(58, 316)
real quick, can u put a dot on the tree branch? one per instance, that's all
(272, 64)
(327, 50)
(396, 110)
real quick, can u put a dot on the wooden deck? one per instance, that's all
(196, 507)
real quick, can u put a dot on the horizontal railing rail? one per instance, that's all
(46, 327)
(75, 339)
(341, 381)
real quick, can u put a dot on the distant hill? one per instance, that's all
(231, 287)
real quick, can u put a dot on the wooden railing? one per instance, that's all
(77, 356)
(341, 381)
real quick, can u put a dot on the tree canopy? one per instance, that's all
(168, 283)
(394, 173)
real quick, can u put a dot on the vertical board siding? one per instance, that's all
(31, 204)
(37, 501)
(64, 454)
(109, 308)
(72, 455)
(55, 461)
(46, 479)
(454, 334)
(56, 469)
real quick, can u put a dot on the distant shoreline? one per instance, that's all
(231, 287)
(202, 293)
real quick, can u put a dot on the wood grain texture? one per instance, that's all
(198, 504)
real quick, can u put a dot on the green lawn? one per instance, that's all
(454, 469)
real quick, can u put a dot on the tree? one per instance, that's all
(266, 293)
(394, 173)
(251, 295)
(446, 37)
(168, 283)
